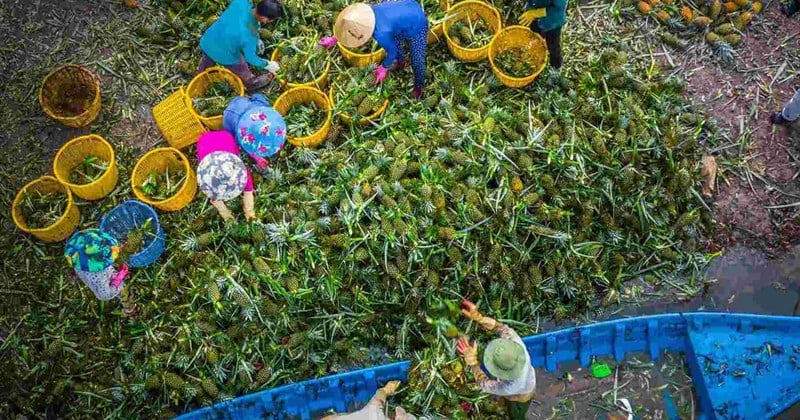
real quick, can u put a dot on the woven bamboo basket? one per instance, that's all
(59, 90)
(158, 160)
(304, 95)
(59, 230)
(518, 37)
(471, 9)
(202, 83)
(73, 153)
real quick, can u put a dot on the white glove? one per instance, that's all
(261, 46)
(273, 67)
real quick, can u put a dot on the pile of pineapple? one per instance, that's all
(720, 23)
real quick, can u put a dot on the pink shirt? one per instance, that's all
(222, 141)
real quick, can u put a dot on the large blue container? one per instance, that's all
(126, 217)
(742, 366)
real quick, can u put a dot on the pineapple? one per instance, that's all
(516, 185)
(260, 266)
(662, 16)
(673, 41)
(292, 284)
(733, 39)
(213, 292)
(153, 383)
(725, 29)
(205, 239)
(712, 38)
(262, 376)
(715, 9)
(701, 21)
(174, 381)
(334, 133)
(241, 299)
(743, 20)
(212, 356)
(687, 13)
(210, 388)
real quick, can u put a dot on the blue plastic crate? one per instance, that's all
(126, 217)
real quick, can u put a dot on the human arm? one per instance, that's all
(379, 399)
(470, 354)
(388, 43)
(250, 50)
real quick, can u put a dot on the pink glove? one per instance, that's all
(261, 163)
(120, 277)
(328, 42)
(380, 74)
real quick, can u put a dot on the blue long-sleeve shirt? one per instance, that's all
(233, 36)
(402, 21)
(556, 13)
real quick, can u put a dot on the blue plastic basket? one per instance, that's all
(126, 217)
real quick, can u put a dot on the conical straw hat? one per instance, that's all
(354, 25)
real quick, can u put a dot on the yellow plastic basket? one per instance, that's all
(159, 160)
(73, 154)
(58, 86)
(202, 83)
(59, 230)
(177, 120)
(361, 60)
(470, 9)
(346, 119)
(435, 29)
(304, 95)
(318, 83)
(517, 37)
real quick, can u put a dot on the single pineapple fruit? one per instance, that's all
(447, 233)
(431, 101)
(743, 20)
(757, 7)
(672, 40)
(701, 21)
(370, 79)
(296, 339)
(205, 240)
(725, 29)
(687, 14)
(715, 9)
(213, 292)
(654, 3)
(662, 16)
(212, 356)
(241, 299)
(733, 39)
(262, 376)
(361, 255)
(260, 266)
(742, 3)
(174, 381)
(712, 38)
(153, 383)
(365, 107)
(210, 388)
(292, 284)
(730, 7)
(516, 185)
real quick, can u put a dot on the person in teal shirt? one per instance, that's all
(232, 41)
(546, 17)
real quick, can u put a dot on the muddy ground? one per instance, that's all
(759, 162)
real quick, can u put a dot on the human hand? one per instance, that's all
(261, 163)
(470, 310)
(328, 42)
(273, 67)
(530, 15)
(120, 277)
(380, 74)
(391, 387)
(468, 351)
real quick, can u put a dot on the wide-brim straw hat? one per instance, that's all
(354, 25)
(504, 359)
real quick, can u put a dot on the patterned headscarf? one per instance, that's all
(91, 250)
(261, 131)
(222, 176)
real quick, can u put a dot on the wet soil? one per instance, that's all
(759, 162)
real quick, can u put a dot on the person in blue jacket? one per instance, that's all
(546, 17)
(397, 26)
(232, 41)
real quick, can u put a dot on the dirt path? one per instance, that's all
(759, 163)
